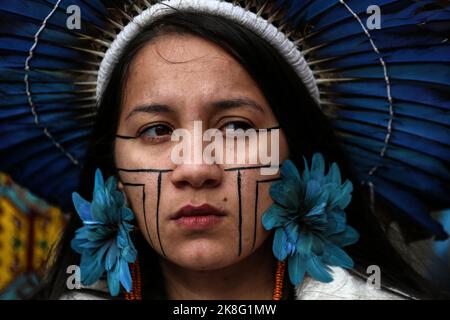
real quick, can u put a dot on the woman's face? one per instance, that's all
(197, 215)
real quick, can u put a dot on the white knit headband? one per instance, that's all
(246, 18)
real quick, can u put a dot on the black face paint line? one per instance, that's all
(248, 168)
(158, 198)
(157, 212)
(256, 206)
(240, 212)
(239, 186)
(143, 207)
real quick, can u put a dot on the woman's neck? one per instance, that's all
(251, 278)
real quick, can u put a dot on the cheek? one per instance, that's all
(255, 200)
(136, 198)
(141, 190)
(134, 153)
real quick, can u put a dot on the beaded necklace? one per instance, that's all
(136, 294)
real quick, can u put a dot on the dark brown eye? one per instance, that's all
(234, 125)
(156, 131)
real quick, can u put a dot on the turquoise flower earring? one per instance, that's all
(309, 220)
(104, 241)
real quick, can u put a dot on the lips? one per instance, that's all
(202, 210)
(198, 217)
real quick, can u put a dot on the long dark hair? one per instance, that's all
(306, 128)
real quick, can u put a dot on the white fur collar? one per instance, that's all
(344, 286)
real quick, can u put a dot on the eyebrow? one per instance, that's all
(236, 103)
(221, 104)
(151, 108)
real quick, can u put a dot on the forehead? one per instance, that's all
(181, 67)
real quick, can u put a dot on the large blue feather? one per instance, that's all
(430, 186)
(437, 53)
(415, 160)
(429, 130)
(22, 46)
(424, 72)
(35, 10)
(398, 139)
(424, 93)
(410, 109)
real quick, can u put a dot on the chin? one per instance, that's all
(204, 255)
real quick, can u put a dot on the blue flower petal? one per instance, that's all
(280, 244)
(89, 245)
(113, 280)
(93, 232)
(122, 237)
(127, 214)
(98, 182)
(296, 269)
(82, 207)
(125, 276)
(112, 256)
(76, 244)
(346, 197)
(346, 238)
(335, 256)
(286, 194)
(336, 223)
(318, 245)
(99, 253)
(334, 195)
(90, 269)
(98, 211)
(334, 175)
(304, 243)
(111, 184)
(315, 194)
(317, 166)
(129, 254)
(274, 217)
(318, 212)
(292, 233)
(306, 176)
(289, 170)
(318, 270)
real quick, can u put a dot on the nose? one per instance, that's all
(197, 176)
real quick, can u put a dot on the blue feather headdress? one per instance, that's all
(385, 90)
